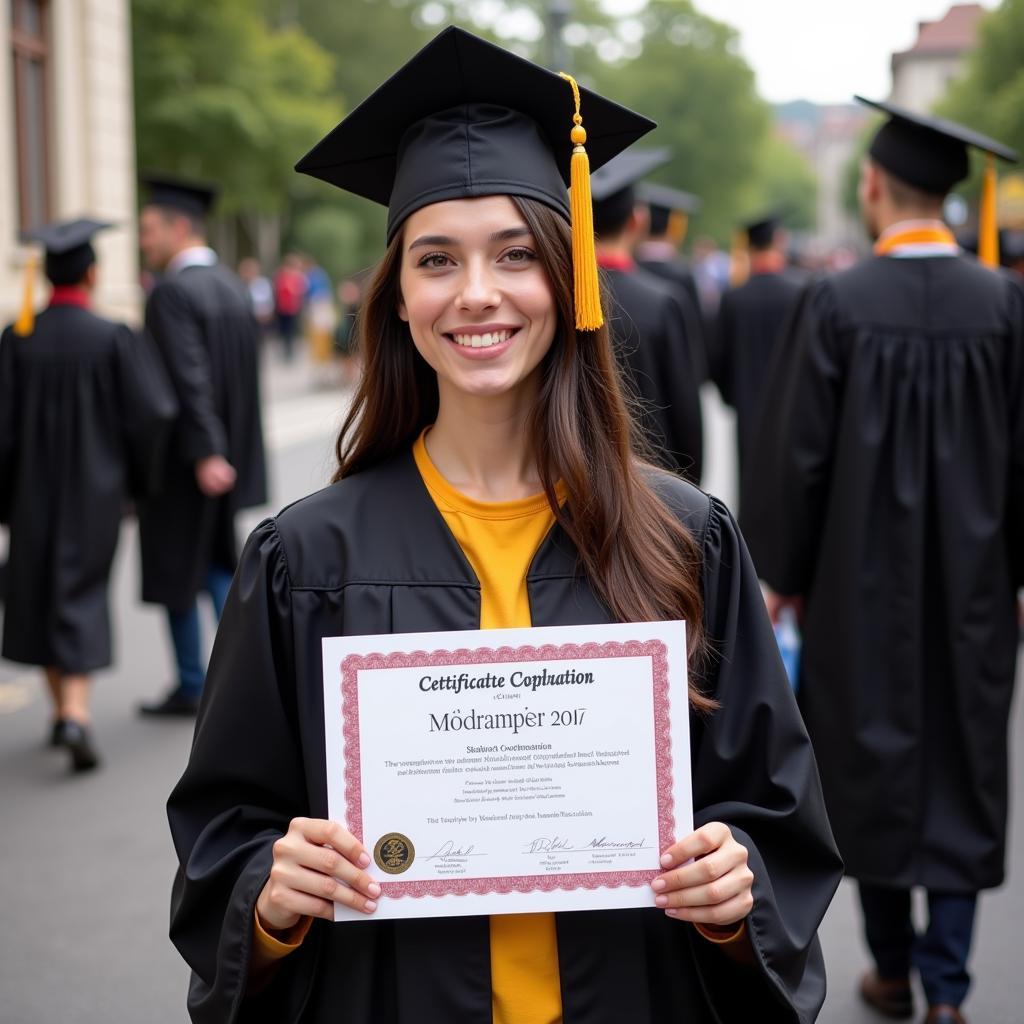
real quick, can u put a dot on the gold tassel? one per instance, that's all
(678, 223)
(988, 227)
(739, 260)
(26, 322)
(584, 256)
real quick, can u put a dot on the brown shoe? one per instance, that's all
(943, 1014)
(891, 997)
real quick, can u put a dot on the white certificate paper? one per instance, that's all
(510, 771)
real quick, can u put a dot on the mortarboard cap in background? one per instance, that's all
(761, 230)
(68, 245)
(69, 254)
(669, 209)
(930, 154)
(614, 186)
(465, 118)
(194, 198)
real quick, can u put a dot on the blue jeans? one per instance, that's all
(939, 953)
(186, 635)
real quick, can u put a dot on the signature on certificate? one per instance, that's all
(559, 844)
(449, 851)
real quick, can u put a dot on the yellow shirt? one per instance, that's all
(499, 540)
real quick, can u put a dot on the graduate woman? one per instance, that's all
(486, 479)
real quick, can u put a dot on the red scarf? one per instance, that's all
(70, 295)
(615, 261)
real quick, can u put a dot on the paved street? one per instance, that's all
(86, 863)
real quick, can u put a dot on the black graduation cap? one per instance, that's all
(614, 185)
(625, 170)
(761, 230)
(192, 197)
(662, 198)
(927, 152)
(68, 244)
(668, 209)
(465, 118)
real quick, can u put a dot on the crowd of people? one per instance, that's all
(524, 448)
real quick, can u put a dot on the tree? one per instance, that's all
(990, 96)
(220, 95)
(683, 70)
(785, 183)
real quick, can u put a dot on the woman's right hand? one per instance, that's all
(317, 863)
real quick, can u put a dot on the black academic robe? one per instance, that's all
(202, 323)
(750, 320)
(887, 488)
(85, 411)
(657, 344)
(677, 274)
(372, 555)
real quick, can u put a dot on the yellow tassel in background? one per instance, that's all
(581, 208)
(678, 222)
(739, 260)
(26, 322)
(988, 228)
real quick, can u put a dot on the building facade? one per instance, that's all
(829, 136)
(922, 74)
(69, 148)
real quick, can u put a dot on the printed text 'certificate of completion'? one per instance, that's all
(510, 771)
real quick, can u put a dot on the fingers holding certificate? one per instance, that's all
(510, 771)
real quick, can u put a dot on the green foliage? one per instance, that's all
(786, 183)
(237, 91)
(220, 95)
(683, 70)
(332, 235)
(990, 95)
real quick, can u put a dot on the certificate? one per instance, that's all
(510, 771)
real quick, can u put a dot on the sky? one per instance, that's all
(824, 50)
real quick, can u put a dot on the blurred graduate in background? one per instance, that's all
(85, 412)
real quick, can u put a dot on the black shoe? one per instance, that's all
(891, 997)
(57, 733)
(78, 740)
(177, 704)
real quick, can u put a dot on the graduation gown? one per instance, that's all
(85, 411)
(372, 554)
(750, 320)
(657, 344)
(203, 325)
(677, 274)
(887, 487)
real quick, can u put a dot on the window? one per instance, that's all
(30, 52)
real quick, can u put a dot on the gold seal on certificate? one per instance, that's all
(394, 853)
(539, 769)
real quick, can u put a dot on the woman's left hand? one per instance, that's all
(715, 887)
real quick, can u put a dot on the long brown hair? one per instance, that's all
(642, 562)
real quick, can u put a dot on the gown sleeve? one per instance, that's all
(753, 768)
(175, 329)
(148, 409)
(786, 488)
(243, 784)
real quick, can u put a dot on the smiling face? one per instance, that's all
(475, 295)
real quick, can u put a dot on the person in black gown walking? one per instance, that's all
(886, 494)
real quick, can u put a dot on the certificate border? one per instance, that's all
(654, 649)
